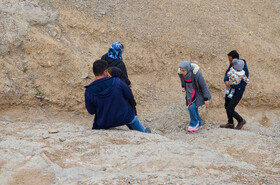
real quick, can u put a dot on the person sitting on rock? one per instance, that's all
(235, 75)
(107, 98)
(197, 92)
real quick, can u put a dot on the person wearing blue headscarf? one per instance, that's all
(114, 58)
(115, 51)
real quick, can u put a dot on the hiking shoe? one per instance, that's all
(148, 130)
(227, 126)
(230, 96)
(193, 129)
(240, 125)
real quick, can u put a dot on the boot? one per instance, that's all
(227, 126)
(240, 125)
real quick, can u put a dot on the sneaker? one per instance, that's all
(227, 126)
(230, 96)
(227, 91)
(193, 129)
(148, 130)
(240, 125)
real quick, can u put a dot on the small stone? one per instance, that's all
(73, 82)
(103, 12)
(46, 137)
(54, 131)
(9, 84)
(54, 34)
(38, 120)
(149, 119)
(62, 139)
(85, 76)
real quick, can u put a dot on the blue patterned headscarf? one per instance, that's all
(115, 51)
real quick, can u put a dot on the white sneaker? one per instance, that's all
(193, 129)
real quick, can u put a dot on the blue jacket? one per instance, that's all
(239, 88)
(107, 98)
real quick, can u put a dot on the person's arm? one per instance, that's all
(89, 105)
(183, 83)
(204, 88)
(226, 76)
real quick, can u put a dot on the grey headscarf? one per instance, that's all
(188, 67)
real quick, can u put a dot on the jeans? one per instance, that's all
(135, 124)
(194, 114)
(230, 105)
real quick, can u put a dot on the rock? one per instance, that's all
(149, 119)
(7, 118)
(62, 139)
(73, 82)
(9, 84)
(54, 131)
(85, 76)
(46, 137)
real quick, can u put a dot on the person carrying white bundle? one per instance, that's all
(235, 75)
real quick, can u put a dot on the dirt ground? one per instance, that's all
(46, 52)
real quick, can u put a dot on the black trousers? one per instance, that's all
(230, 105)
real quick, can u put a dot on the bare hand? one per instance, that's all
(227, 84)
(206, 103)
(183, 90)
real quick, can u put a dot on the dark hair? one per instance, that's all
(122, 46)
(233, 54)
(99, 66)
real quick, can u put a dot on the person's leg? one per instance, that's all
(199, 118)
(135, 124)
(227, 102)
(231, 93)
(231, 109)
(228, 90)
(130, 128)
(194, 120)
(230, 123)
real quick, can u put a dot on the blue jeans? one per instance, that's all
(135, 124)
(194, 114)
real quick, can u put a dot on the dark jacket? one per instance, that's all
(118, 72)
(239, 88)
(107, 98)
(116, 63)
(202, 92)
